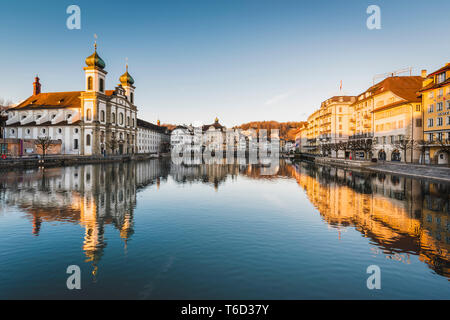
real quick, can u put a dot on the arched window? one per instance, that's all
(102, 116)
(128, 121)
(132, 97)
(88, 115)
(121, 118)
(88, 140)
(113, 118)
(89, 83)
(102, 85)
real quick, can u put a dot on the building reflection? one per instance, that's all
(402, 216)
(92, 196)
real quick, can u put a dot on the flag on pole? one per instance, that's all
(340, 88)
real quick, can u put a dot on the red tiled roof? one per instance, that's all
(52, 100)
(405, 87)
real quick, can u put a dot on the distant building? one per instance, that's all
(214, 135)
(151, 138)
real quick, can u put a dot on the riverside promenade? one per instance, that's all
(433, 172)
(58, 160)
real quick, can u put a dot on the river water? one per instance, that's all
(157, 230)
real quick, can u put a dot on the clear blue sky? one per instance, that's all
(236, 59)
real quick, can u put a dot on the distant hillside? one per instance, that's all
(288, 130)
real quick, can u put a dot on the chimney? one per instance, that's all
(424, 73)
(36, 86)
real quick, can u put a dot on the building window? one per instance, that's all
(88, 115)
(431, 108)
(113, 120)
(59, 130)
(102, 85)
(439, 106)
(121, 118)
(439, 121)
(419, 123)
(75, 130)
(418, 107)
(448, 105)
(439, 136)
(75, 144)
(88, 140)
(430, 137)
(441, 77)
(102, 116)
(132, 97)
(89, 83)
(448, 120)
(43, 131)
(430, 122)
(28, 131)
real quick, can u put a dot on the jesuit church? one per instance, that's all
(90, 122)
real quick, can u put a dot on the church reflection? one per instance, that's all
(401, 216)
(92, 196)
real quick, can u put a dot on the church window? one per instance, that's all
(89, 83)
(121, 118)
(88, 140)
(88, 115)
(102, 116)
(102, 85)
(132, 97)
(113, 118)
(59, 130)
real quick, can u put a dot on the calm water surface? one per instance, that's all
(156, 230)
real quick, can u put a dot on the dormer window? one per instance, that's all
(441, 77)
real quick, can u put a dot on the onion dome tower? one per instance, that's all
(95, 73)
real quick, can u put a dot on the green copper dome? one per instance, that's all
(94, 60)
(126, 78)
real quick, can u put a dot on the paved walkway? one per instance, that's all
(413, 170)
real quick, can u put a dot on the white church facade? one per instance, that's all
(90, 122)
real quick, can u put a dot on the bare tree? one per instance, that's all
(367, 146)
(404, 144)
(113, 143)
(45, 144)
(4, 105)
(421, 146)
(336, 147)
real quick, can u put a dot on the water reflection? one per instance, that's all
(400, 216)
